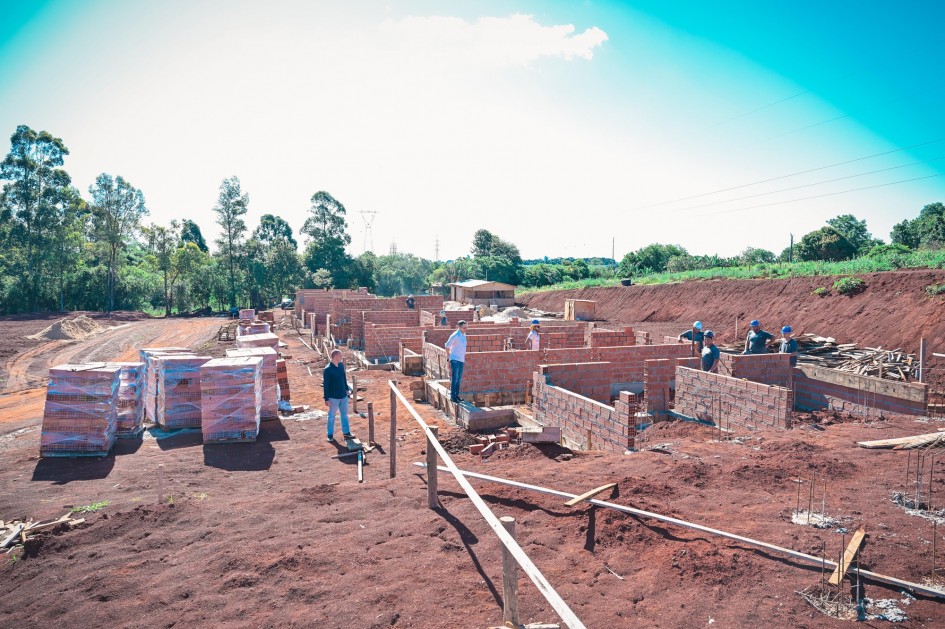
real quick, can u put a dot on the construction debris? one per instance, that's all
(21, 531)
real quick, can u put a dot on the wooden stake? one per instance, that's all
(354, 394)
(589, 445)
(847, 557)
(160, 483)
(922, 359)
(370, 423)
(432, 501)
(509, 577)
(393, 434)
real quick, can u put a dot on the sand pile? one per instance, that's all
(69, 329)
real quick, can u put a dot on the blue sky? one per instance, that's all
(562, 126)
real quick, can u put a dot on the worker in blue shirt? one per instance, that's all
(710, 353)
(757, 340)
(789, 344)
(695, 335)
(336, 392)
(456, 346)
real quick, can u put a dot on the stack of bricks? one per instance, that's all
(643, 338)
(267, 339)
(657, 376)
(247, 314)
(230, 399)
(130, 401)
(270, 378)
(178, 390)
(623, 337)
(718, 398)
(282, 375)
(267, 316)
(249, 328)
(764, 368)
(150, 384)
(592, 380)
(80, 416)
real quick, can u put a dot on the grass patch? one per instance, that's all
(821, 291)
(849, 286)
(933, 290)
(92, 508)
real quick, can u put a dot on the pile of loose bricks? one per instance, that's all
(89, 406)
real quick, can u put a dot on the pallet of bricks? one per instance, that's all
(231, 399)
(178, 390)
(270, 399)
(150, 381)
(130, 400)
(80, 415)
(282, 376)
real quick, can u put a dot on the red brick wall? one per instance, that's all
(764, 368)
(643, 338)
(438, 336)
(383, 341)
(611, 338)
(812, 394)
(657, 376)
(485, 342)
(432, 317)
(436, 362)
(403, 318)
(592, 380)
(629, 361)
(610, 427)
(702, 395)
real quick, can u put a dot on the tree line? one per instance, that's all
(68, 251)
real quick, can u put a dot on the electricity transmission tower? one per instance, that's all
(368, 217)
(436, 249)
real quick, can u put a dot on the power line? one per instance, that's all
(807, 185)
(801, 172)
(818, 196)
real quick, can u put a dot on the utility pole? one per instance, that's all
(791, 253)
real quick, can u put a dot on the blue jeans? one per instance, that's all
(338, 405)
(456, 376)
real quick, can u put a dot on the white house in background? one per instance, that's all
(482, 292)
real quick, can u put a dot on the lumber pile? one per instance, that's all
(80, 418)
(21, 531)
(178, 390)
(130, 400)
(230, 399)
(927, 440)
(270, 378)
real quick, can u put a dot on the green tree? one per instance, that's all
(930, 226)
(117, 210)
(33, 199)
(499, 260)
(273, 229)
(321, 278)
(753, 255)
(163, 243)
(230, 209)
(326, 229)
(190, 232)
(67, 242)
(650, 259)
(826, 244)
(855, 231)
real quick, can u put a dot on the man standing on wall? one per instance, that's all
(456, 345)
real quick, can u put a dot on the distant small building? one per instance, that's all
(481, 292)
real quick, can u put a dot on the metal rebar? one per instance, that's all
(823, 568)
(931, 471)
(918, 477)
(810, 499)
(905, 491)
(797, 507)
(823, 503)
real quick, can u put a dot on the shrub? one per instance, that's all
(822, 291)
(933, 290)
(849, 286)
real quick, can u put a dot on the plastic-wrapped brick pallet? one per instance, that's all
(270, 396)
(150, 376)
(267, 339)
(178, 390)
(80, 414)
(129, 405)
(231, 399)
(247, 314)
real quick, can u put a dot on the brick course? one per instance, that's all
(813, 394)
(720, 398)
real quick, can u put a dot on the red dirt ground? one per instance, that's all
(278, 534)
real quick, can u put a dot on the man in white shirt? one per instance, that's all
(456, 345)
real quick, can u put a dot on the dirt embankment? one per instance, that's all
(894, 310)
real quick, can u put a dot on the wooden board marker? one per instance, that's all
(589, 494)
(848, 556)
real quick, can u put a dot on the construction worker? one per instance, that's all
(757, 340)
(336, 391)
(533, 341)
(710, 353)
(694, 334)
(443, 320)
(456, 345)
(410, 301)
(477, 316)
(789, 344)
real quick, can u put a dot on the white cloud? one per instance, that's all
(517, 40)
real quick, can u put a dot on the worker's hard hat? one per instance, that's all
(709, 334)
(786, 330)
(536, 322)
(754, 323)
(697, 325)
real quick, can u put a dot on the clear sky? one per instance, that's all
(558, 125)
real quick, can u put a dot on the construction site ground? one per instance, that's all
(279, 534)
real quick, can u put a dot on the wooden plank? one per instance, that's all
(12, 536)
(848, 555)
(901, 441)
(589, 494)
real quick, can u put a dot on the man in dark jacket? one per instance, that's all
(335, 385)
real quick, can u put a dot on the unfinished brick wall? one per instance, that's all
(764, 368)
(581, 418)
(439, 336)
(592, 380)
(819, 388)
(657, 377)
(599, 337)
(722, 399)
(436, 362)
(629, 361)
(628, 405)
(402, 318)
(382, 341)
(432, 317)
(643, 338)
(485, 342)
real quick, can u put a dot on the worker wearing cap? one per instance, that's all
(757, 340)
(789, 344)
(443, 320)
(710, 353)
(411, 302)
(694, 335)
(532, 341)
